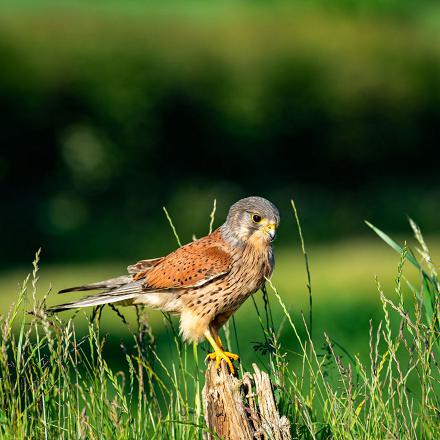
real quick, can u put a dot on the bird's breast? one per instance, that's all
(255, 264)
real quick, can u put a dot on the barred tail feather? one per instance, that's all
(125, 292)
(112, 283)
(93, 300)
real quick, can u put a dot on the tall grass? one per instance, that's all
(57, 384)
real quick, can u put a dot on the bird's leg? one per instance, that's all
(214, 332)
(219, 353)
(217, 339)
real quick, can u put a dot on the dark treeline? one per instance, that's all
(105, 120)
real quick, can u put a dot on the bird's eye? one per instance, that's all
(256, 218)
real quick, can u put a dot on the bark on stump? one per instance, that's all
(241, 409)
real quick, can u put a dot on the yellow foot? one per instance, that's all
(217, 356)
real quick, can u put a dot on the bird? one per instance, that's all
(204, 281)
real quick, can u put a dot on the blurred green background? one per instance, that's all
(111, 110)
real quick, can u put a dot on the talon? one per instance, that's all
(232, 356)
(218, 355)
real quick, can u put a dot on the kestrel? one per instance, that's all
(204, 281)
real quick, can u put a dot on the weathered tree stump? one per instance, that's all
(241, 409)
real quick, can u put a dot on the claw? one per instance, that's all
(218, 355)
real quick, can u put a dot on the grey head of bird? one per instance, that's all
(251, 217)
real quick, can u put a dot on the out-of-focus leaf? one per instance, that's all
(390, 242)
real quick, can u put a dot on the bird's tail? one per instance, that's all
(117, 290)
(112, 283)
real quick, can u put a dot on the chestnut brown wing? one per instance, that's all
(189, 266)
(143, 265)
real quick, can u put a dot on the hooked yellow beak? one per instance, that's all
(270, 229)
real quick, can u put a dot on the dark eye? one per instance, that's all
(256, 218)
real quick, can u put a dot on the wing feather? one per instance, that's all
(191, 265)
(143, 265)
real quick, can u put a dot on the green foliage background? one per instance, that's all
(110, 111)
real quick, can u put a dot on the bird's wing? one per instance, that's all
(191, 265)
(143, 265)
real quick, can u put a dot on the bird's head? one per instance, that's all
(251, 217)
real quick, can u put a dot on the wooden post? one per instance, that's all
(241, 409)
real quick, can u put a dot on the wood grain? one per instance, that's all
(243, 409)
